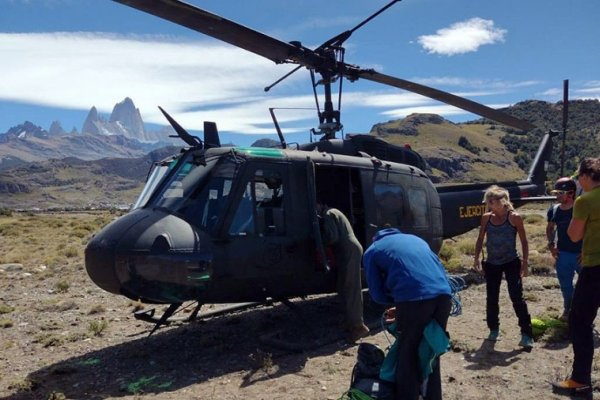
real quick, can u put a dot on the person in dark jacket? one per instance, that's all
(402, 271)
(566, 252)
(338, 234)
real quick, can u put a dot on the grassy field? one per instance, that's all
(49, 240)
(56, 240)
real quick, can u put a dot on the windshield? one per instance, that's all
(198, 189)
(159, 170)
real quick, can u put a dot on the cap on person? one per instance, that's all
(565, 184)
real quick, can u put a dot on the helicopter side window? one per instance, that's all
(389, 203)
(243, 220)
(419, 208)
(260, 210)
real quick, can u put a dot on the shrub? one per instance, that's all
(71, 252)
(534, 219)
(5, 309)
(6, 323)
(62, 286)
(446, 252)
(97, 309)
(97, 327)
(465, 143)
(454, 265)
(467, 247)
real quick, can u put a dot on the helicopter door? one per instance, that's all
(259, 242)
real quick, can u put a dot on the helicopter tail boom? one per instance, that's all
(462, 205)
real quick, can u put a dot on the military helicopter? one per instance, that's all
(221, 224)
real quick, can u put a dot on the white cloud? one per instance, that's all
(79, 70)
(462, 37)
(192, 80)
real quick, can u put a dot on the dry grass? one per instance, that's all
(49, 240)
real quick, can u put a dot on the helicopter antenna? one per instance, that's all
(279, 133)
(564, 124)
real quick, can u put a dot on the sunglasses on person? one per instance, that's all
(561, 192)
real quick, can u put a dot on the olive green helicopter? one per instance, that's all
(219, 224)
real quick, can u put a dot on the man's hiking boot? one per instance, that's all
(571, 388)
(564, 316)
(357, 333)
(493, 336)
(526, 342)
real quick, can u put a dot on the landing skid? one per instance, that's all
(149, 314)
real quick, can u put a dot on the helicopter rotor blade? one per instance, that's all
(321, 62)
(445, 97)
(218, 27)
(181, 132)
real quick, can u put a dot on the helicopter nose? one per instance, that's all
(101, 252)
(100, 263)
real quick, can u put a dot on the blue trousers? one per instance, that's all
(584, 308)
(567, 264)
(493, 277)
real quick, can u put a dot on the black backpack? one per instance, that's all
(365, 374)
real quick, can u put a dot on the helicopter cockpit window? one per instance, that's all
(260, 210)
(158, 171)
(417, 199)
(198, 192)
(389, 203)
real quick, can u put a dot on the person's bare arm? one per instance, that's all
(517, 222)
(479, 243)
(576, 229)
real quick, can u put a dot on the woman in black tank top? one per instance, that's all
(501, 226)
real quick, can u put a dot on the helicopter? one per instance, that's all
(228, 224)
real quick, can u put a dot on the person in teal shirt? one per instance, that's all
(585, 225)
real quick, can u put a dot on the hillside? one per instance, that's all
(486, 146)
(75, 183)
(437, 140)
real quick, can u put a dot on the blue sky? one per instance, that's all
(61, 57)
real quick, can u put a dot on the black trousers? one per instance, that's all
(411, 319)
(584, 308)
(493, 277)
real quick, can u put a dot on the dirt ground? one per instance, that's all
(83, 343)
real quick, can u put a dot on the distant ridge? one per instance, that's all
(474, 151)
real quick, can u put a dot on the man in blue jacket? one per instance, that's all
(402, 271)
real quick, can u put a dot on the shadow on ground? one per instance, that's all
(263, 343)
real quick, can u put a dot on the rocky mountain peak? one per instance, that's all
(127, 116)
(90, 125)
(56, 129)
(25, 130)
(124, 120)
